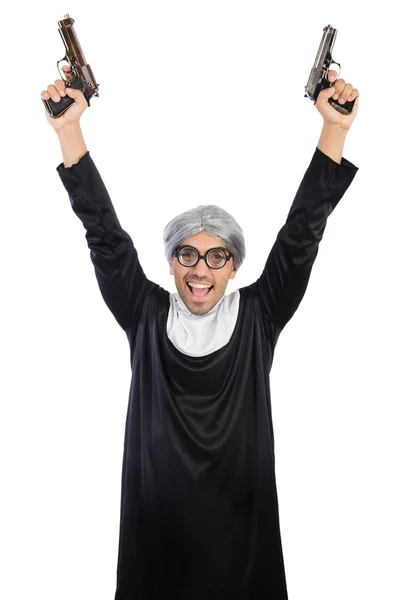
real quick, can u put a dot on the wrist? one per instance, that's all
(67, 131)
(332, 140)
(72, 144)
(336, 128)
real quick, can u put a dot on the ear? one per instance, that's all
(172, 267)
(234, 272)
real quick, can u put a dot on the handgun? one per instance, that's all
(82, 76)
(318, 79)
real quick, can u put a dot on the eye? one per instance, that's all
(188, 256)
(217, 258)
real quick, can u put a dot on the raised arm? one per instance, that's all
(285, 277)
(121, 279)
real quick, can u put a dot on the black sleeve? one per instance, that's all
(285, 277)
(121, 279)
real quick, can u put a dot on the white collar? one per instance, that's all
(199, 335)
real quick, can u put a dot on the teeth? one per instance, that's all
(200, 285)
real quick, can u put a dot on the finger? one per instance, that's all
(68, 72)
(354, 94)
(53, 92)
(332, 75)
(339, 87)
(45, 95)
(347, 90)
(59, 84)
(355, 108)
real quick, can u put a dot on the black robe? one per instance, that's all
(199, 508)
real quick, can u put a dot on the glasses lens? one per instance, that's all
(216, 258)
(187, 256)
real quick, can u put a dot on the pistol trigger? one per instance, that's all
(60, 71)
(335, 63)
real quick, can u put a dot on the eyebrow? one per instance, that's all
(208, 249)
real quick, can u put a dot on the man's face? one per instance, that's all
(196, 302)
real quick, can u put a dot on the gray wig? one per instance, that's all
(210, 219)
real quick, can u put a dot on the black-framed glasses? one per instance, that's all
(215, 258)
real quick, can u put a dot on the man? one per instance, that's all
(199, 508)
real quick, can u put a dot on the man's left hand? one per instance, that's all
(341, 91)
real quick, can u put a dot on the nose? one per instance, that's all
(201, 269)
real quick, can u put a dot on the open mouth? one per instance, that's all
(199, 292)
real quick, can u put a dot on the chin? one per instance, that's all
(200, 310)
(198, 307)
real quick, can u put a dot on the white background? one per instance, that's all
(200, 102)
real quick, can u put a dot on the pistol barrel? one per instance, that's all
(322, 62)
(326, 46)
(75, 53)
(318, 78)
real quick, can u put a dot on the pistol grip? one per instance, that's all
(56, 109)
(345, 108)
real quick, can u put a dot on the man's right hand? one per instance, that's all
(74, 112)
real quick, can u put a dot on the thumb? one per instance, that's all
(328, 92)
(77, 95)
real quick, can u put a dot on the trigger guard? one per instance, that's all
(334, 63)
(64, 59)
